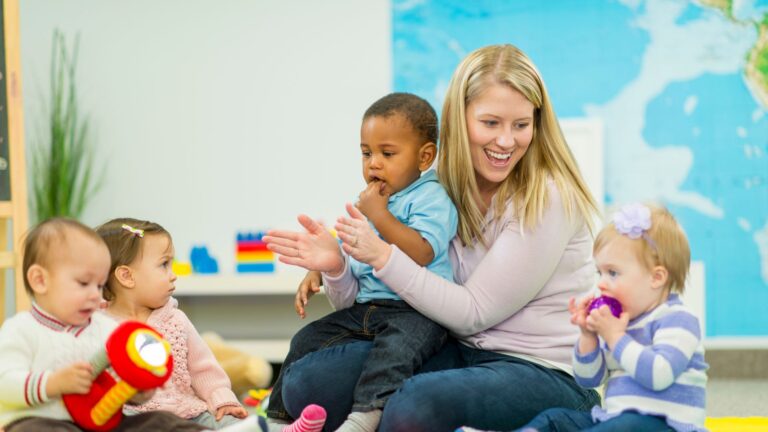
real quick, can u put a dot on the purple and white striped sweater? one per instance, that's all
(657, 368)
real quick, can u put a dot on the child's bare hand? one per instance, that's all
(610, 328)
(373, 200)
(578, 312)
(236, 411)
(308, 287)
(75, 378)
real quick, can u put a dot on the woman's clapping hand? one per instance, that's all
(360, 241)
(314, 249)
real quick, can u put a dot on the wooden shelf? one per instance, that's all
(271, 350)
(253, 312)
(238, 284)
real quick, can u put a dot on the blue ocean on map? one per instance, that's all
(588, 54)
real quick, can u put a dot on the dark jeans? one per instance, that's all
(155, 421)
(458, 386)
(402, 340)
(565, 420)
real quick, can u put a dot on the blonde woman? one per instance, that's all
(522, 250)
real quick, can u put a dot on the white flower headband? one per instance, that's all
(633, 221)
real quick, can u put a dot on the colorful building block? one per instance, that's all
(202, 261)
(182, 268)
(252, 255)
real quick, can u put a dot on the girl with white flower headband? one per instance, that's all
(651, 356)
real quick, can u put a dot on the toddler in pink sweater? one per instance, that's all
(139, 288)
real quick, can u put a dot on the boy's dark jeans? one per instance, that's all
(403, 340)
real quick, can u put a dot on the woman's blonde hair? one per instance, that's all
(548, 155)
(124, 244)
(663, 244)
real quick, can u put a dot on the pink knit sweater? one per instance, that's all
(198, 382)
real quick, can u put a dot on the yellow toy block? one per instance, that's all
(737, 424)
(182, 268)
(256, 256)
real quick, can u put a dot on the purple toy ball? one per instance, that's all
(611, 302)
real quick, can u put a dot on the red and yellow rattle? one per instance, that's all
(140, 358)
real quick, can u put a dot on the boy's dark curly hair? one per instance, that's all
(417, 111)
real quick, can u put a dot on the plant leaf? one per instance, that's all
(63, 161)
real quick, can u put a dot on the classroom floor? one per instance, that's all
(737, 397)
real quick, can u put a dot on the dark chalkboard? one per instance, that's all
(5, 180)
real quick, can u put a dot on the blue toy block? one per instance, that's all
(255, 267)
(202, 262)
(250, 235)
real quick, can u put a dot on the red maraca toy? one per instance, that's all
(611, 302)
(142, 360)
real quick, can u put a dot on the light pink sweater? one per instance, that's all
(198, 383)
(511, 298)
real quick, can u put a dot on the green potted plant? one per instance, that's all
(63, 177)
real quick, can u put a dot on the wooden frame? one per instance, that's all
(14, 213)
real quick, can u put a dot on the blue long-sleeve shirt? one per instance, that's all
(423, 206)
(657, 368)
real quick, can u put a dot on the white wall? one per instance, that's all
(215, 116)
(585, 138)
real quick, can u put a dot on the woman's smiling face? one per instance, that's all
(500, 128)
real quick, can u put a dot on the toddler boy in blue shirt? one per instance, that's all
(408, 209)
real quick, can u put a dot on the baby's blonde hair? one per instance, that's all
(548, 155)
(46, 236)
(663, 244)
